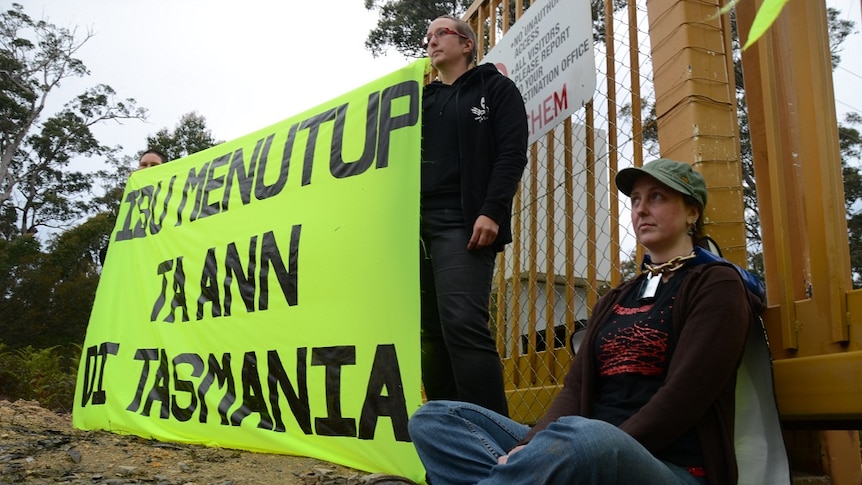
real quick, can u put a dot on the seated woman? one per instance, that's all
(649, 397)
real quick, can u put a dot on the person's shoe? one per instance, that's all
(381, 479)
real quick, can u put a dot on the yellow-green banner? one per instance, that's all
(263, 294)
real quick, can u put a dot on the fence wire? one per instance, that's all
(572, 237)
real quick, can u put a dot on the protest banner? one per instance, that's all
(263, 294)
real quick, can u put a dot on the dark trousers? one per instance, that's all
(459, 355)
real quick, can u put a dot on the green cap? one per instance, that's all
(677, 175)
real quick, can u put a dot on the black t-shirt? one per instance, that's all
(633, 350)
(440, 171)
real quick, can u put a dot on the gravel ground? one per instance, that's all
(39, 446)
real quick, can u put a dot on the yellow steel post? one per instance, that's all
(550, 271)
(779, 198)
(570, 274)
(821, 167)
(788, 81)
(592, 215)
(696, 108)
(613, 159)
(636, 99)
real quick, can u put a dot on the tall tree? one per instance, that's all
(190, 135)
(48, 295)
(850, 143)
(36, 187)
(402, 23)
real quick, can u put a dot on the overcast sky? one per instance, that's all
(245, 65)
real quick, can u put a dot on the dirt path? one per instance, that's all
(39, 446)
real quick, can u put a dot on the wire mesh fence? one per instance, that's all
(572, 238)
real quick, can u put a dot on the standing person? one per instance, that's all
(649, 398)
(474, 150)
(150, 158)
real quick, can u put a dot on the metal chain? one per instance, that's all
(668, 267)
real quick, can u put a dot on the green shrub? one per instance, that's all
(44, 375)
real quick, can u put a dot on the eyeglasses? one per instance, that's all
(440, 34)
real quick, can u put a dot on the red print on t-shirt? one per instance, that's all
(638, 349)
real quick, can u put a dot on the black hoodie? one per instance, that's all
(491, 130)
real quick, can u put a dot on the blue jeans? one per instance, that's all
(459, 443)
(459, 355)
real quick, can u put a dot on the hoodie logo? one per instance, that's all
(481, 111)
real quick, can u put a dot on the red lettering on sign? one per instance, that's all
(549, 109)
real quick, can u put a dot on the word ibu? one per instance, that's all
(211, 188)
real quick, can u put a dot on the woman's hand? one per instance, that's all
(503, 459)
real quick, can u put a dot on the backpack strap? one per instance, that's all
(751, 280)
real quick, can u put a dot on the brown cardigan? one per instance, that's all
(711, 319)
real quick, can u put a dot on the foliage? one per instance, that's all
(598, 9)
(765, 17)
(839, 29)
(48, 296)
(402, 23)
(850, 144)
(190, 135)
(36, 187)
(112, 180)
(630, 267)
(45, 375)
(20, 260)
